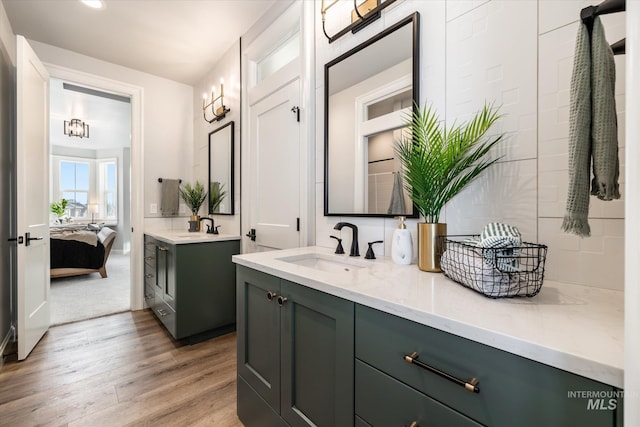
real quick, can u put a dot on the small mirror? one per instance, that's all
(221, 170)
(368, 93)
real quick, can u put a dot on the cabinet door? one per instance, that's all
(258, 326)
(317, 350)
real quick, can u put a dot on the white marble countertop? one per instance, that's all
(179, 237)
(575, 328)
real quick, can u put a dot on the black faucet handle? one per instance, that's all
(370, 254)
(339, 248)
(208, 228)
(215, 229)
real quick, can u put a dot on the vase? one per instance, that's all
(196, 219)
(430, 241)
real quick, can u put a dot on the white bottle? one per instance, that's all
(401, 244)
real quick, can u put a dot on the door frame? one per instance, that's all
(137, 166)
(267, 34)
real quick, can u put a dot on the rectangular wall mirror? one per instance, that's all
(369, 90)
(221, 170)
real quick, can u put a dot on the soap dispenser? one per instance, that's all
(401, 244)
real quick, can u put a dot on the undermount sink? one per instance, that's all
(326, 263)
(192, 235)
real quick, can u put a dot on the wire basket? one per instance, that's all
(494, 272)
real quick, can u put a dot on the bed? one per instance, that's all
(79, 251)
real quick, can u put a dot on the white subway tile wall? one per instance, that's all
(520, 54)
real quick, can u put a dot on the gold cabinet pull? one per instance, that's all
(271, 295)
(471, 385)
(413, 424)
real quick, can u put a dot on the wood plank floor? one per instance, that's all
(121, 370)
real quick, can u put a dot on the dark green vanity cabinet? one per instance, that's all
(308, 358)
(513, 390)
(295, 354)
(191, 287)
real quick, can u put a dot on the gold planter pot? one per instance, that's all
(429, 246)
(196, 218)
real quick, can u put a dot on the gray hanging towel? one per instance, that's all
(593, 128)
(604, 126)
(397, 205)
(169, 197)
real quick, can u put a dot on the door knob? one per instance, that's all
(28, 239)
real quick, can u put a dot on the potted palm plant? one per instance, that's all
(216, 196)
(438, 162)
(194, 198)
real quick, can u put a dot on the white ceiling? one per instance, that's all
(109, 120)
(180, 40)
(177, 39)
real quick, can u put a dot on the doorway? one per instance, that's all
(89, 187)
(277, 122)
(135, 94)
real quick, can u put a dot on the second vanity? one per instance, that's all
(332, 340)
(190, 280)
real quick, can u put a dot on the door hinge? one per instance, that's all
(297, 224)
(252, 234)
(296, 111)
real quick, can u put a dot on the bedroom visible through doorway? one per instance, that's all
(89, 188)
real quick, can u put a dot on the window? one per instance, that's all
(74, 186)
(84, 182)
(108, 189)
(281, 56)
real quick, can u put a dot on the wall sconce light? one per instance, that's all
(218, 112)
(361, 16)
(76, 127)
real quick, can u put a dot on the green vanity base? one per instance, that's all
(322, 360)
(295, 353)
(191, 287)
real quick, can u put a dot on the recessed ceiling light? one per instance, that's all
(94, 4)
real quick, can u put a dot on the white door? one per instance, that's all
(32, 194)
(274, 169)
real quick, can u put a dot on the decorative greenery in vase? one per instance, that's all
(59, 208)
(216, 196)
(438, 162)
(193, 196)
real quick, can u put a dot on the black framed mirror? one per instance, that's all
(221, 170)
(367, 93)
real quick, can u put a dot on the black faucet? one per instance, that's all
(355, 251)
(210, 229)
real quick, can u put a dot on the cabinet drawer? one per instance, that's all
(149, 295)
(149, 274)
(510, 387)
(166, 315)
(385, 401)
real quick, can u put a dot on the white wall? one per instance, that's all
(228, 68)
(518, 54)
(167, 123)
